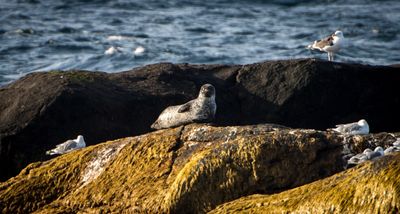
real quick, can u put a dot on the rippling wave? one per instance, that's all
(38, 35)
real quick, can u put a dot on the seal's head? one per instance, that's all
(207, 90)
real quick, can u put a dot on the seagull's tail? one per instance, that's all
(311, 47)
(51, 152)
(333, 129)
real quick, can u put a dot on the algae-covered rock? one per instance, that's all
(372, 187)
(44, 109)
(189, 169)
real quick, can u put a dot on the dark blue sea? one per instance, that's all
(117, 35)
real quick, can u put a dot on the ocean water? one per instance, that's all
(117, 35)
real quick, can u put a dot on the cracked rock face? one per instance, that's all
(187, 169)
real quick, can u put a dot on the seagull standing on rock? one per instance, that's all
(331, 44)
(68, 146)
(358, 128)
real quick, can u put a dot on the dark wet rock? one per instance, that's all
(43, 109)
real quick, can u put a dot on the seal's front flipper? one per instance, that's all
(184, 108)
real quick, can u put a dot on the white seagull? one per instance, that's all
(139, 51)
(68, 146)
(368, 154)
(358, 128)
(391, 149)
(330, 44)
(113, 50)
(394, 148)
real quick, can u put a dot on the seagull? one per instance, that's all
(397, 142)
(378, 151)
(139, 51)
(391, 149)
(330, 44)
(358, 128)
(394, 148)
(68, 146)
(113, 50)
(360, 158)
(367, 154)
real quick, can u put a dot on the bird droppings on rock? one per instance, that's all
(97, 165)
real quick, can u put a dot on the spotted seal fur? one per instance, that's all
(201, 109)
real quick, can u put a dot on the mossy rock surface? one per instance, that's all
(190, 169)
(372, 187)
(303, 93)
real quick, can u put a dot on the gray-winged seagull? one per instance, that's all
(358, 128)
(330, 44)
(68, 146)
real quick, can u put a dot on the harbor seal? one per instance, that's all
(201, 109)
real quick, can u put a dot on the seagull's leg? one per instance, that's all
(329, 56)
(332, 55)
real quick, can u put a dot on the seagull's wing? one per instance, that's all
(63, 143)
(345, 128)
(340, 125)
(67, 145)
(320, 44)
(352, 127)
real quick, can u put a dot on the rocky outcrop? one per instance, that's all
(186, 169)
(189, 169)
(44, 109)
(372, 187)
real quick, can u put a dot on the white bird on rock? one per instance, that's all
(331, 44)
(68, 146)
(391, 149)
(378, 151)
(367, 154)
(394, 148)
(358, 128)
(397, 143)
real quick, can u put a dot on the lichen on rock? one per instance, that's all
(373, 187)
(186, 169)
